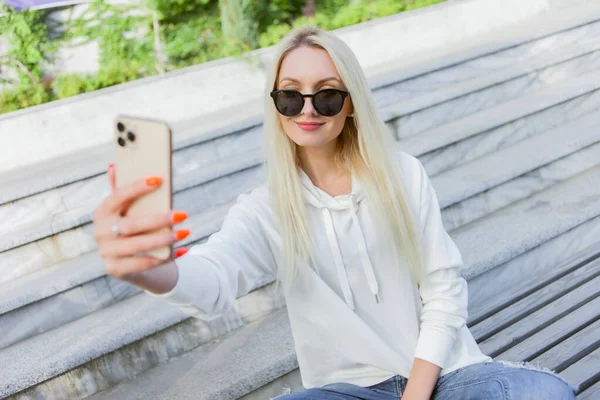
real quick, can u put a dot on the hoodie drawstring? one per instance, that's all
(337, 255)
(364, 255)
(337, 258)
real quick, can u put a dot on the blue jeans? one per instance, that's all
(492, 380)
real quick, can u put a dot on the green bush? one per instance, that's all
(365, 11)
(273, 34)
(341, 13)
(413, 4)
(22, 96)
(119, 72)
(269, 14)
(174, 10)
(114, 74)
(71, 85)
(193, 41)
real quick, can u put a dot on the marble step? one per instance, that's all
(206, 371)
(237, 364)
(570, 54)
(482, 133)
(483, 56)
(479, 187)
(502, 241)
(115, 343)
(552, 225)
(79, 287)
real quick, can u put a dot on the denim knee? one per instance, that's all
(544, 378)
(543, 385)
(500, 381)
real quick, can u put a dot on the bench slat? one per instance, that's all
(592, 393)
(571, 347)
(541, 318)
(584, 369)
(482, 310)
(552, 336)
(535, 300)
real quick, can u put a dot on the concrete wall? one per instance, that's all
(202, 93)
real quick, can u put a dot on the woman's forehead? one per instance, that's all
(308, 65)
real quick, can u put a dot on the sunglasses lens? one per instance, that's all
(328, 102)
(288, 102)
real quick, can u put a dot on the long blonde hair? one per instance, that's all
(364, 146)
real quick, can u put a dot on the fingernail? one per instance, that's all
(111, 165)
(153, 181)
(182, 234)
(178, 216)
(180, 251)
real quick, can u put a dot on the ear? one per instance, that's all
(351, 111)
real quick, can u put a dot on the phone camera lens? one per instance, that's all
(121, 142)
(130, 136)
(120, 127)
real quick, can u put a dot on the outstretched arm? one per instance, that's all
(231, 263)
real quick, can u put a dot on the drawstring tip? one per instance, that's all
(377, 299)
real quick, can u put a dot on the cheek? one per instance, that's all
(337, 123)
(286, 124)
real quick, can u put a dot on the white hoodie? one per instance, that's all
(357, 317)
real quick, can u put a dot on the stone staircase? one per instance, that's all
(510, 136)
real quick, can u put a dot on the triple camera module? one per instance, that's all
(130, 135)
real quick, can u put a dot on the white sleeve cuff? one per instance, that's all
(196, 290)
(434, 346)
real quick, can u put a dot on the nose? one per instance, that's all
(308, 108)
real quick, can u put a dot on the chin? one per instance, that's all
(305, 139)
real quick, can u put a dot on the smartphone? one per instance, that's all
(143, 149)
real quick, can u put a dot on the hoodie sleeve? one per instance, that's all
(232, 262)
(443, 290)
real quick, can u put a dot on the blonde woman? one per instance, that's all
(352, 231)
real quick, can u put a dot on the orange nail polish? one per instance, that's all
(179, 216)
(182, 234)
(153, 181)
(181, 251)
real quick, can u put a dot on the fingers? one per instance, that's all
(112, 177)
(129, 246)
(123, 196)
(180, 251)
(126, 267)
(133, 225)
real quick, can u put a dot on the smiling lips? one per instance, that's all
(309, 126)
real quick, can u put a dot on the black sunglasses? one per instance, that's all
(327, 102)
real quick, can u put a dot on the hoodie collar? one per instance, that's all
(319, 198)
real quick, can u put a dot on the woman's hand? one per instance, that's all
(138, 234)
